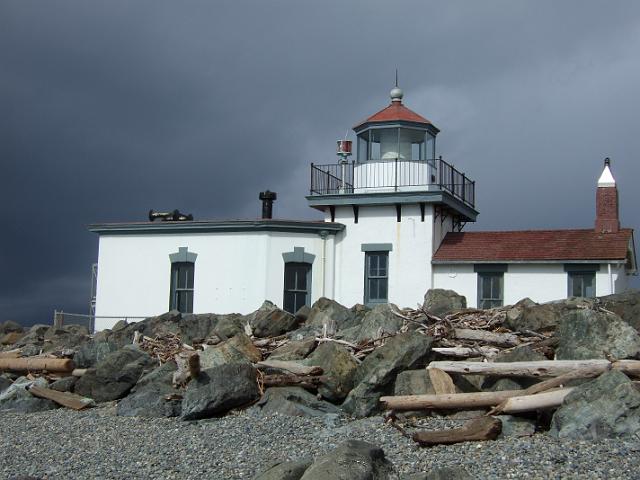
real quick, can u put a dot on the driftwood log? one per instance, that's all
(66, 399)
(539, 401)
(289, 367)
(308, 382)
(466, 352)
(543, 368)
(448, 401)
(478, 429)
(30, 364)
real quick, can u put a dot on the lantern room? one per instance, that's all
(396, 133)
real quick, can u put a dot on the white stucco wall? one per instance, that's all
(409, 259)
(540, 282)
(234, 272)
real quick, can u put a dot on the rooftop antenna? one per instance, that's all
(396, 77)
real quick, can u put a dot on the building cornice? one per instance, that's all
(289, 226)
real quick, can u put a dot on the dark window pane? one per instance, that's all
(296, 293)
(289, 278)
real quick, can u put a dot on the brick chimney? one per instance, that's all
(607, 220)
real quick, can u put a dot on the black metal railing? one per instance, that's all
(391, 175)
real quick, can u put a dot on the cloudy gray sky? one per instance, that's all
(108, 109)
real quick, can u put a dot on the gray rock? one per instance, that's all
(4, 383)
(376, 375)
(92, 353)
(10, 327)
(285, 470)
(585, 334)
(606, 407)
(35, 336)
(352, 460)
(238, 349)
(148, 396)
(294, 350)
(16, 397)
(441, 302)
(273, 322)
(69, 337)
(217, 390)
(295, 402)
(516, 426)
(165, 324)
(444, 473)
(229, 325)
(379, 322)
(115, 376)
(329, 312)
(303, 313)
(626, 305)
(413, 382)
(546, 316)
(197, 327)
(65, 384)
(338, 366)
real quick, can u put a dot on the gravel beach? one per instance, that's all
(95, 444)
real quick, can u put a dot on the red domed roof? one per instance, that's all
(395, 112)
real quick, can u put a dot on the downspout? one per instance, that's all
(323, 235)
(610, 279)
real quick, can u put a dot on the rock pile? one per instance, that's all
(330, 360)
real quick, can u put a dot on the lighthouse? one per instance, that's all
(398, 199)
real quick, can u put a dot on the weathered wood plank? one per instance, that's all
(449, 401)
(66, 399)
(478, 429)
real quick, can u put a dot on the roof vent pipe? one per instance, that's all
(267, 198)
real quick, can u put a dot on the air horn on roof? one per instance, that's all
(174, 216)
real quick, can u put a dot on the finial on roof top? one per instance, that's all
(396, 92)
(606, 179)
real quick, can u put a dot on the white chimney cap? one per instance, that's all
(606, 179)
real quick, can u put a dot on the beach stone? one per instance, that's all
(272, 323)
(65, 384)
(294, 401)
(286, 470)
(378, 322)
(413, 382)
(352, 460)
(16, 398)
(377, 373)
(587, 334)
(626, 305)
(440, 302)
(219, 389)
(148, 396)
(606, 407)
(115, 376)
(92, 353)
(329, 312)
(338, 366)
(294, 349)
(238, 349)
(516, 426)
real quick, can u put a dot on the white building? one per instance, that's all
(392, 229)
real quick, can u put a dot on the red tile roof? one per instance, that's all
(534, 245)
(395, 112)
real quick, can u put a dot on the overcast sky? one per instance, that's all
(108, 109)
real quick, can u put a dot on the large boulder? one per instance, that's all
(285, 470)
(217, 390)
(338, 366)
(295, 402)
(93, 352)
(294, 349)
(34, 336)
(379, 322)
(10, 338)
(543, 317)
(332, 314)
(115, 376)
(196, 326)
(10, 327)
(626, 305)
(606, 407)
(16, 397)
(238, 349)
(376, 375)
(165, 324)
(352, 460)
(413, 382)
(151, 396)
(66, 338)
(585, 334)
(4, 383)
(272, 323)
(440, 302)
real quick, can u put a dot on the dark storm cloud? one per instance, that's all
(108, 109)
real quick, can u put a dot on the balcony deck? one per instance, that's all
(378, 176)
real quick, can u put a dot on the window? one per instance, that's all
(582, 284)
(490, 291)
(376, 278)
(182, 287)
(297, 280)
(581, 279)
(490, 284)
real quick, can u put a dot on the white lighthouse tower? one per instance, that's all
(397, 201)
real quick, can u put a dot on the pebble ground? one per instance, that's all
(95, 444)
